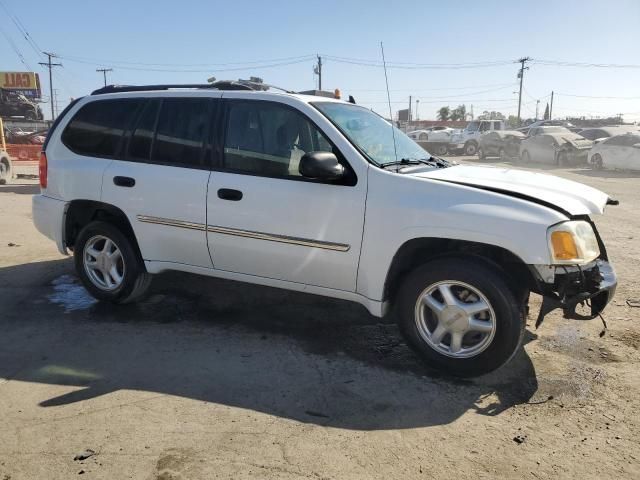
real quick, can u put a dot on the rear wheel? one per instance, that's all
(460, 316)
(441, 150)
(526, 158)
(108, 264)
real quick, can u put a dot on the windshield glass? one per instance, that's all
(472, 126)
(372, 133)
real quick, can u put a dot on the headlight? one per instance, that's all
(572, 243)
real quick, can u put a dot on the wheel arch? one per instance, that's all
(81, 212)
(417, 251)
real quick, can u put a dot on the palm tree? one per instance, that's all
(444, 113)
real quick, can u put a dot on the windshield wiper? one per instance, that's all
(431, 161)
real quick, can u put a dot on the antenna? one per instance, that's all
(386, 79)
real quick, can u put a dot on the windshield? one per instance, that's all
(472, 126)
(372, 133)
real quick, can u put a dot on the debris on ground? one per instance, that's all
(11, 244)
(519, 439)
(84, 455)
(633, 302)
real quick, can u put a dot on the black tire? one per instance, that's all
(481, 155)
(525, 157)
(441, 150)
(135, 279)
(470, 148)
(493, 284)
(503, 155)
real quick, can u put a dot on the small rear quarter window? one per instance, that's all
(97, 129)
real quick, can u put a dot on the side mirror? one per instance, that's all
(321, 166)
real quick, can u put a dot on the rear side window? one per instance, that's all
(97, 129)
(142, 135)
(180, 133)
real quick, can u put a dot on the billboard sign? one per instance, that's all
(27, 83)
(403, 115)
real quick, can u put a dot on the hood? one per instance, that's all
(567, 196)
(578, 141)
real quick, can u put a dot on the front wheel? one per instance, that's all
(460, 316)
(108, 264)
(470, 148)
(441, 150)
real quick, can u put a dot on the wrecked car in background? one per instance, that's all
(504, 144)
(563, 148)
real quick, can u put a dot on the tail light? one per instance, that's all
(43, 170)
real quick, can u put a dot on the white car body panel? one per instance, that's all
(616, 156)
(573, 197)
(163, 194)
(405, 207)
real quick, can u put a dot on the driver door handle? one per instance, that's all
(230, 194)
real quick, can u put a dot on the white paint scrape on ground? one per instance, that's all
(70, 294)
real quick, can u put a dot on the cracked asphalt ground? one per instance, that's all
(217, 379)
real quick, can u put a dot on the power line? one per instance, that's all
(592, 96)
(104, 73)
(15, 48)
(21, 28)
(173, 70)
(560, 63)
(50, 66)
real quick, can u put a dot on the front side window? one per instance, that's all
(380, 141)
(265, 138)
(180, 133)
(97, 129)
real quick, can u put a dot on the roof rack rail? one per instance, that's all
(220, 85)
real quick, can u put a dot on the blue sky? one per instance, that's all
(195, 37)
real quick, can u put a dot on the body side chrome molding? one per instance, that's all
(338, 247)
(171, 223)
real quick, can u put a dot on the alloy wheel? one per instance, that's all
(455, 319)
(103, 263)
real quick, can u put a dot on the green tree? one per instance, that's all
(513, 122)
(546, 112)
(459, 113)
(444, 113)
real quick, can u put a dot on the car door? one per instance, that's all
(161, 181)
(613, 151)
(264, 219)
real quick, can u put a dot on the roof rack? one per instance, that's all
(220, 85)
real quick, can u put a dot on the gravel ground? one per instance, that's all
(217, 379)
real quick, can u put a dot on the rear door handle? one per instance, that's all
(124, 181)
(230, 194)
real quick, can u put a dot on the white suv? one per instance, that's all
(320, 196)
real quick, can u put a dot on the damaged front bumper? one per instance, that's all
(593, 285)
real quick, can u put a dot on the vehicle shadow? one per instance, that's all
(292, 355)
(23, 189)
(587, 172)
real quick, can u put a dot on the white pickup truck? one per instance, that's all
(319, 196)
(468, 139)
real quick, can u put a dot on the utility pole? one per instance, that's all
(104, 73)
(537, 105)
(522, 61)
(551, 107)
(50, 66)
(409, 113)
(417, 109)
(318, 71)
